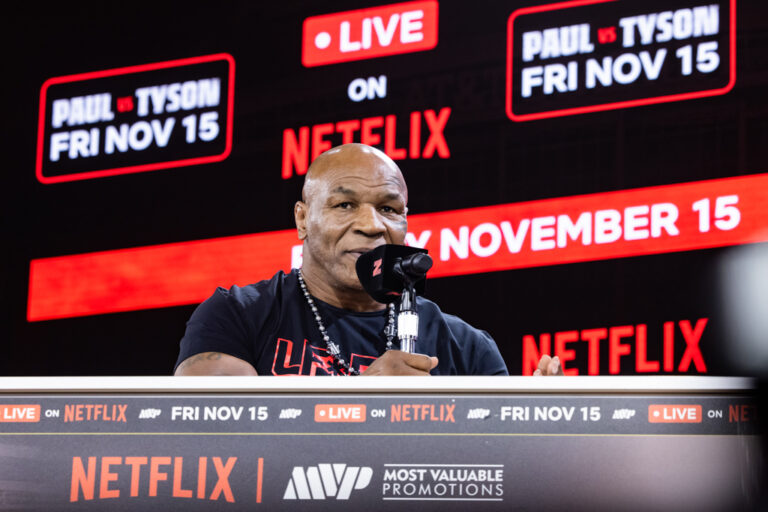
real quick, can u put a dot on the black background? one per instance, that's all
(493, 161)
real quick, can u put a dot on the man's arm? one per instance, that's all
(214, 363)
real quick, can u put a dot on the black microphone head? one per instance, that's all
(420, 264)
(376, 273)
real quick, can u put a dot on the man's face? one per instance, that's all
(355, 203)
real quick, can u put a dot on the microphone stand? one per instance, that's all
(411, 270)
(408, 319)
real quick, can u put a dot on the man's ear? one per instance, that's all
(300, 216)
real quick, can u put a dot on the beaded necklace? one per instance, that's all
(390, 330)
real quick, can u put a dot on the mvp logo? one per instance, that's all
(369, 33)
(290, 414)
(149, 413)
(623, 414)
(326, 481)
(478, 414)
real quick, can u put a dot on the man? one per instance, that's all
(319, 320)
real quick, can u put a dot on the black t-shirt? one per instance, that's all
(270, 325)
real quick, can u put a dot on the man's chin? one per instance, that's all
(355, 284)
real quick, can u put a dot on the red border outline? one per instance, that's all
(615, 105)
(142, 167)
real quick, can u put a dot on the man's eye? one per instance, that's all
(388, 209)
(345, 205)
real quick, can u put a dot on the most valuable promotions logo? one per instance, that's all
(443, 482)
(326, 481)
(134, 119)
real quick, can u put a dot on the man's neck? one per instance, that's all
(350, 299)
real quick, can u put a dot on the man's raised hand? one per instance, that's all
(549, 366)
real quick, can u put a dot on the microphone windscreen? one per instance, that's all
(376, 274)
(421, 263)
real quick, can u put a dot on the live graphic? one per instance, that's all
(369, 33)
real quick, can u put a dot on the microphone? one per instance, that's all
(412, 268)
(392, 272)
(385, 271)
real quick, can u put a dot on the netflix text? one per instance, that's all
(102, 477)
(95, 412)
(622, 342)
(422, 412)
(302, 146)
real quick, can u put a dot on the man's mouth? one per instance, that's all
(357, 252)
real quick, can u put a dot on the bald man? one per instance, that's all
(319, 320)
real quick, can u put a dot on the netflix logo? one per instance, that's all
(620, 343)
(369, 33)
(422, 412)
(302, 146)
(206, 478)
(95, 412)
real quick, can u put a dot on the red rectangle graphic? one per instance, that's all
(674, 413)
(653, 220)
(340, 413)
(369, 33)
(19, 413)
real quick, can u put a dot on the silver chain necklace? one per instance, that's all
(390, 330)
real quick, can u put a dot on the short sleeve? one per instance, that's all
(217, 325)
(476, 349)
(488, 360)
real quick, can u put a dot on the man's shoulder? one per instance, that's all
(255, 293)
(457, 325)
(470, 351)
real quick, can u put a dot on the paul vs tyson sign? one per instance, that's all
(136, 119)
(586, 56)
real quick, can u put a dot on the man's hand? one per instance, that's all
(549, 366)
(396, 362)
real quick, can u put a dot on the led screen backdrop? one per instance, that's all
(577, 170)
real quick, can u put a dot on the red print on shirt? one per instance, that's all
(311, 360)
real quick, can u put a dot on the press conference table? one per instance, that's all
(385, 443)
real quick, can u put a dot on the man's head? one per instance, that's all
(354, 199)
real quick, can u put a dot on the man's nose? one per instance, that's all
(369, 221)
